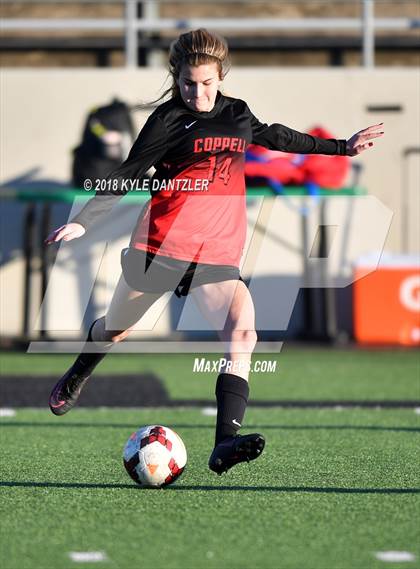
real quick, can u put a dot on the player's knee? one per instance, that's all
(244, 341)
(250, 339)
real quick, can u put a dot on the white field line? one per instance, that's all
(395, 556)
(88, 556)
(209, 411)
(4, 412)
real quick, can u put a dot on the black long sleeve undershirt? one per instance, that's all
(280, 137)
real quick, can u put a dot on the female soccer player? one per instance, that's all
(191, 235)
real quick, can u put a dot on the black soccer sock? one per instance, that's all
(232, 397)
(86, 362)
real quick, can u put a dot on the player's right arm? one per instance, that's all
(148, 149)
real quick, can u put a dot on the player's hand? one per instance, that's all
(66, 233)
(362, 140)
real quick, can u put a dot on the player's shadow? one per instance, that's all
(284, 489)
(308, 489)
(175, 426)
(69, 485)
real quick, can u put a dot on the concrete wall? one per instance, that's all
(43, 114)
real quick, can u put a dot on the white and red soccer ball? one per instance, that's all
(154, 456)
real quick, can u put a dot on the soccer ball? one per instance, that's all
(154, 456)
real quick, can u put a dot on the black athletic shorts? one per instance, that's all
(166, 274)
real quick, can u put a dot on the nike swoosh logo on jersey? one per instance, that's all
(235, 422)
(191, 123)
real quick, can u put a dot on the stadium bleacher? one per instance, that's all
(258, 46)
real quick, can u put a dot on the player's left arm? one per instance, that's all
(280, 137)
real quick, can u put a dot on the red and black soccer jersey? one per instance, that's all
(197, 210)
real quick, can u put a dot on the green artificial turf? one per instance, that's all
(331, 489)
(301, 373)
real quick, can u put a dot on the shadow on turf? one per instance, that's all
(310, 489)
(211, 426)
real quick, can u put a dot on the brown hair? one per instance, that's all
(198, 47)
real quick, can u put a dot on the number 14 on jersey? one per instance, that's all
(220, 169)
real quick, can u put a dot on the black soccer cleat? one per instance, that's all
(233, 450)
(66, 392)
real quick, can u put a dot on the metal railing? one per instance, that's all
(367, 24)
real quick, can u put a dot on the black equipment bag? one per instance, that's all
(107, 138)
